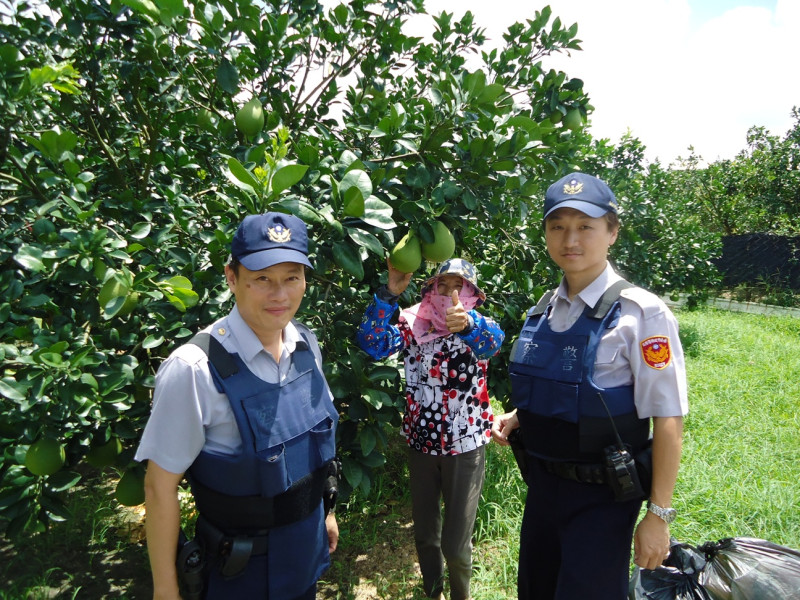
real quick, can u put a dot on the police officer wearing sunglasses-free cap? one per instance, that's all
(597, 361)
(245, 412)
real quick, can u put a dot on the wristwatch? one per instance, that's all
(667, 514)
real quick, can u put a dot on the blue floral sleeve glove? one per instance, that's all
(484, 337)
(376, 335)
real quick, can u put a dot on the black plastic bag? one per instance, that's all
(676, 579)
(750, 569)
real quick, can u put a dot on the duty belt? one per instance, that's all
(580, 472)
(256, 512)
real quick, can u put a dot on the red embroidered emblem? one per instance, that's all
(656, 352)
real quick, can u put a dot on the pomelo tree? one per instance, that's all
(124, 172)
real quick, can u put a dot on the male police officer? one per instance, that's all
(594, 349)
(245, 411)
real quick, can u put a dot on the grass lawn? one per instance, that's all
(740, 476)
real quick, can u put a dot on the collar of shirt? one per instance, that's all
(565, 311)
(249, 346)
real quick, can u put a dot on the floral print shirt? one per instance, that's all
(447, 400)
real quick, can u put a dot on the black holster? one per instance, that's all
(518, 449)
(190, 562)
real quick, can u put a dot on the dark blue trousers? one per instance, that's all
(575, 541)
(252, 584)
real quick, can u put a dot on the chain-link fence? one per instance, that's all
(761, 267)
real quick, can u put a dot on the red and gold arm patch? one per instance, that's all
(656, 352)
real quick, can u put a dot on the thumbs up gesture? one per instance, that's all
(456, 318)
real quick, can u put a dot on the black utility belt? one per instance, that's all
(581, 472)
(257, 512)
(619, 472)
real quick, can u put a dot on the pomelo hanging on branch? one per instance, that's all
(406, 256)
(573, 120)
(104, 454)
(45, 457)
(443, 245)
(250, 118)
(130, 488)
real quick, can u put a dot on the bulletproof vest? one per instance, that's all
(563, 414)
(275, 485)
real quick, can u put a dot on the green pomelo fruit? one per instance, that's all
(250, 118)
(573, 120)
(113, 288)
(105, 454)
(130, 303)
(443, 245)
(130, 489)
(406, 256)
(205, 120)
(45, 457)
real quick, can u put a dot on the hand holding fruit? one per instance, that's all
(457, 318)
(398, 280)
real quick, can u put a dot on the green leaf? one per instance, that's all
(152, 341)
(12, 390)
(287, 176)
(367, 440)
(9, 55)
(374, 460)
(374, 398)
(55, 507)
(179, 282)
(34, 301)
(354, 188)
(63, 480)
(189, 298)
(367, 240)
(490, 93)
(301, 209)
(352, 471)
(146, 7)
(418, 176)
(353, 203)
(241, 177)
(378, 214)
(140, 231)
(30, 257)
(383, 372)
(169, 10)
(228, 77)
(348, 258)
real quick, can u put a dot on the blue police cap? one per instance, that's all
(582, 192)
(265, 240)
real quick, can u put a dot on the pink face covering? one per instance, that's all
(428, 318)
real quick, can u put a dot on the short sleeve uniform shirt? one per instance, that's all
(189, 415)
(643, 349)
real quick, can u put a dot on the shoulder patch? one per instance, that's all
(656, 352)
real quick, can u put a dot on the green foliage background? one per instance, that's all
(123, 177)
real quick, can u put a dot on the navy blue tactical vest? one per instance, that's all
(560, 411)
(275, 484)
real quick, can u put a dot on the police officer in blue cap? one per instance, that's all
(245, 412)
(598, 360)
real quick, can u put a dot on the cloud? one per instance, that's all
(650, 67)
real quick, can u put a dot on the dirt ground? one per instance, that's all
(386, 570)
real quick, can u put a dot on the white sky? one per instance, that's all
(675, 72)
